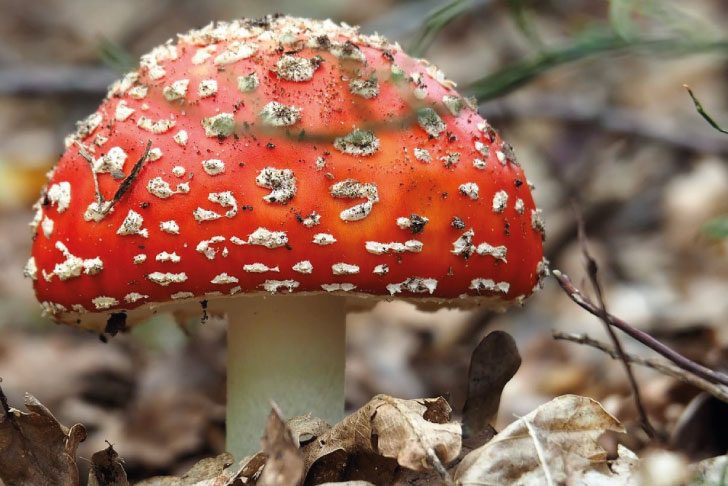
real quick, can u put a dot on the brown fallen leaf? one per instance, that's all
(555, 442)
(285, 462)
(213, 471)
(107, 469)
(35, 448)
(493, 363)
(393, 428)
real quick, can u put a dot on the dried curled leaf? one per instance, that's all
(417, 433)
(555, 442)
(211, 471)
(285, 463)
(107, 469)
(494, 362)
(35, 448)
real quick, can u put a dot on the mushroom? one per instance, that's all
(278, 171)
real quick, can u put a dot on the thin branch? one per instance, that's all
(718, 391)
(703, 113)
(592, 270)
(35, 80)
(641, 336)
(621, 121)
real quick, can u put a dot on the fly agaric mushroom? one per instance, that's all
(274, 170)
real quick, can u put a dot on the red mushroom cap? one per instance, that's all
(282, 155)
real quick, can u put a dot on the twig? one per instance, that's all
(703, 113)
(718, 391)
(33, 80)
(621, 121)
(641, 336)
(592, 270)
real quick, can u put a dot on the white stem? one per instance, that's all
(289, 349)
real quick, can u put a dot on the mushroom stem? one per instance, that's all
(287, 349)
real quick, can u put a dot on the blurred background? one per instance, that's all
(589, 92)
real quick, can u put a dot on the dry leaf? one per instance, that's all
(711, 471)
(35, 448)
(208, 472)
(393, 428)
(554, 442)
(107, 469)
(494, 362)
(285, 462)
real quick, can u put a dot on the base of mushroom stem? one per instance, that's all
(286, 349)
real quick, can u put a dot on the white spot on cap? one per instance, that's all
(181, 137)
(311, 220)
(464, 246)
(338, 287)
(112, 162)
(226, 200)
(377, 248)
(236, 51)
(168, 257)
(451, 159)
(479, 164)
(430, 122)
(259, 268)
(422, 155)
(488, 285)
(221, 125)
(161, 188)
(104, 302)
(203, 54)
(248, 83)
(132, 225)
(60, 194)
(224, 279)
(47, 227)
(139, 92)
(204, 246)
(72, 266)
(134, 297)
(500, 200)
(381, 269)
(344, 269)
(213, 166)
(470, 189)
(263, 237)
(497, 252)
(352, 189)
(165, 279)
(281, 182)
(416, 285)
(176, 90)
(366, 88)
(122, 111)
(454, 104)
(303, 267)
(207, 87)
(159, 126)
(520, 206)
(31, 270)
(181, 295)
(201, 215)
(537, 221)
(276, 114)
(97, 212)
(293, 68)
(324, 239)
(357, 142)
(140, 258)
(274, 286)
(178, 170)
